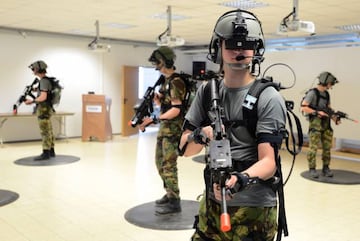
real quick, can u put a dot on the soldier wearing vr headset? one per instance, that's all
(44, 110)
(314, 105)
(170, 96)
(237, 44)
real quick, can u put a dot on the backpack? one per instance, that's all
(55, 92)
(190, 86)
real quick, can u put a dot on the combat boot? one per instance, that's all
(327, 172)
(313, 173)
(52, 152)
(162, 201)
(173, 206)
(44, 156)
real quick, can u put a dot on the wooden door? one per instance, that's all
(130, 86)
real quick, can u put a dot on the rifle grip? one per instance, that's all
(225, 224)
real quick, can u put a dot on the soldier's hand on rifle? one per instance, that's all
(146, 121)
(157, 97)
(336, 119)
(28, 102)
(217, 192)
(321, 114)
(201, 135)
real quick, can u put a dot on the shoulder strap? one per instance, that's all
(251, 100)
(249, 105)
(317, 93)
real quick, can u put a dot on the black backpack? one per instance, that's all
(55, 92)
(190, 86)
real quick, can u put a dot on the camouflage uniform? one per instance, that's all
(44, 111)
(319, 130)
(248, 223)
(169, 136)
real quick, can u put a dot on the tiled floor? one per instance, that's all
(87, 200)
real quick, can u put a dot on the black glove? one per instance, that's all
(198, 136)
(243, 180)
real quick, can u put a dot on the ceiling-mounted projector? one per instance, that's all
(166, 38)
(170, 41)
(99, 47)
(95, 45)
(294, 24)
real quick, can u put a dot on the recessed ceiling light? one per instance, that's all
(79, 32)
(350, 27)
(244, 4)
(119, 25)
(165, 16)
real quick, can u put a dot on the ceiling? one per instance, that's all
(78, 17)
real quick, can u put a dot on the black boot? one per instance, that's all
(173, 206)
(162, 201)
(52, 152)
(313, 173)
(327, 172)
(44, 156)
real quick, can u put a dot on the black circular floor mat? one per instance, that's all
(340, 177)
(7, 197)
(144, 216)
(58, 160)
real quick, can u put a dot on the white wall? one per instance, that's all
(79, 70)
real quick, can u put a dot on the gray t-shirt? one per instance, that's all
(271, 118)
(319, 102)
(44, 85)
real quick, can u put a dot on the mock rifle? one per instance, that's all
(145, 108)
(339, 115)
(27, 92)
(219, 158)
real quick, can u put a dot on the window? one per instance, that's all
(147, 78)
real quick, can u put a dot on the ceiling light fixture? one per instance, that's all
(95, 45)
(294, 24)
(349, 28)
(166, 38)
(244, 4)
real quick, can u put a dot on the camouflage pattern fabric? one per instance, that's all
(44, 112)
(319, 131)
(166, 163)
(247, 223)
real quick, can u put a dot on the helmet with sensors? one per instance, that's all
(38, 66)
(326, 77)
(239, 29)
(164, 55)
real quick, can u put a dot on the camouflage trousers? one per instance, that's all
(320, 131)
(166, 163)
(44, 113)
(247, 223)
